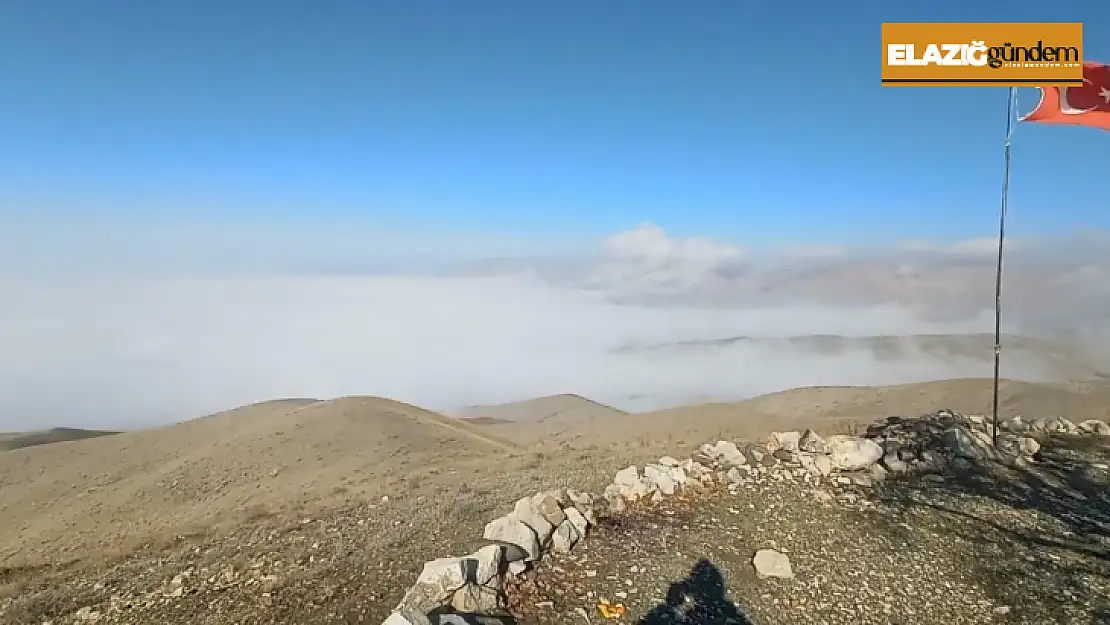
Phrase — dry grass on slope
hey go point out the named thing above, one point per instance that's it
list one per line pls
(116, 493)
(843, 409)
(543, 418)
(540, 409)
(237, 487)
(263, 466)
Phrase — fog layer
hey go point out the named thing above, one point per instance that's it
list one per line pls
(116, 348)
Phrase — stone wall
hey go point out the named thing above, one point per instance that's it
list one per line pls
(549, 521)
(930, 446)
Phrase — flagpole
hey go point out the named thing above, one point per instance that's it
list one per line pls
(1011, 116)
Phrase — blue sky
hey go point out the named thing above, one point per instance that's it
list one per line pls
(567, 120)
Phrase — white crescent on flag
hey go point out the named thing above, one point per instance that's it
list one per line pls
(1087, 105)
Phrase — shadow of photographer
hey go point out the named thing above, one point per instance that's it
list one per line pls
(697, 600)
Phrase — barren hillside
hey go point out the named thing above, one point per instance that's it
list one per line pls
(541, 409)
(555, 416)
(291, 493)
(849, 406)
(67, 499)
(19, 440)
(272, 465)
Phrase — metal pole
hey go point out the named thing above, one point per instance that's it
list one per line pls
(1011, 109)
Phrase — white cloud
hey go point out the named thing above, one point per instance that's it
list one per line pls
(979, 246)
(649, 244)
(646, 259)
(148, 349)
(817, 251)
(113, 347)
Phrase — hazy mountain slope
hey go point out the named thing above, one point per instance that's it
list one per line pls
(1033, 358)
(543, 417)
(800, 408)
(543, 409)
(19, 440)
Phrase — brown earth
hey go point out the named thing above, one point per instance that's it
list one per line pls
(109, 495)
(330, 507)
(557, 407)
(543, 418)
(19, 440)
(991, 544)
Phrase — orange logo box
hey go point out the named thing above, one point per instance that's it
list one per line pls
(928, 54)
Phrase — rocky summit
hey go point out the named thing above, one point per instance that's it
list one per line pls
(938, 518)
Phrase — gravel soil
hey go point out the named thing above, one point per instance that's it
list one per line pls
(994, 545)
(322, 566)
(1020, 545)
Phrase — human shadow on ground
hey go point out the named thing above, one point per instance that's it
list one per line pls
(447, 616)
(697, 600)
(1037, 535)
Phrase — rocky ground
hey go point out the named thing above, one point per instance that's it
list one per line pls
(974, 541)
(327, 566)
(986, 543)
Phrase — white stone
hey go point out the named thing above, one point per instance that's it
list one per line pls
(812, 442)
(1028, 445)
(734, 476)
(487, 563)
(579, 498)
(438, 581)
(660, 476)
(1096, 427)
(963, 442)
(550, 506)
(629, 476)
(578, 521)
(395, 618)
(678, 474)
(786, 440)
(851, 453)
(526, 511)
(564, 537)
(511, 530)
(771, 563)
(475, 599)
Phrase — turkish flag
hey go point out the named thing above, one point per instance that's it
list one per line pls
(1088, 105)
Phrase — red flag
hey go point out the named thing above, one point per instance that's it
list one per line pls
(1088, 105)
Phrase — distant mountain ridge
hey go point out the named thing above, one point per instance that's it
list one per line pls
(563, 407)
(1068, 362)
